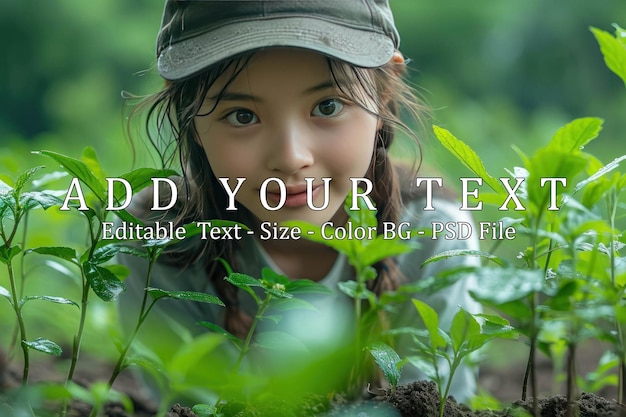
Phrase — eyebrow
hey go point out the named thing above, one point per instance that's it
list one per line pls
(235, 96)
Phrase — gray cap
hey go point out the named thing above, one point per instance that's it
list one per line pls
(196, 34)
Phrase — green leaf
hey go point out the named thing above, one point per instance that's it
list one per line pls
(79, 170)
(5, 188)
(6, 293)
(363, 216)
(219, 330)
(379, 249)
(503, 285)
(463, 252)
(275, 340)
(243, 280)
(600, 172)
(106, 253)
(288, 304)
(45, 346)
(120, 271)
(463, 326)
(517, 309)
(273, 277)
(551, 163)
(493, 319)
(8, 206)
(431, 321)
(57, 300)
(140, 179)
(191, 354)
(47, 179)
(277, 290)
(204, 410)
(433, 284)
(477, 341)
(61, 252)
(352, 290)
(200, 297)
(467, 156)
(90, 158)
(572, 137)
(613, 50)
(425, 365)
(7, 254)
(388, 361)
(103, 282)
(24, 178)
(305, 286)
(42, 199)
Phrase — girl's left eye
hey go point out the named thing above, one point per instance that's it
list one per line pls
(328, 108)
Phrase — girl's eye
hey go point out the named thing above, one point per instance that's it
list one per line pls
(328, 108)
(242, 117)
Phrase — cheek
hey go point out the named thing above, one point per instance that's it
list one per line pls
(225, 158)
(353, 154)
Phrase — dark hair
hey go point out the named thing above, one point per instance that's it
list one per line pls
(172, 111)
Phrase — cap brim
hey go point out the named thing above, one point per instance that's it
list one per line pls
(358, 47)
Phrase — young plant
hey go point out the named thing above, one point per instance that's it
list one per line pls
(613, 50)
(153, 250)
(15, 204)
(465, 336)
(363, 254)
(272, 293)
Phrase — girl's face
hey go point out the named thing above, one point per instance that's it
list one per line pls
(283, 117)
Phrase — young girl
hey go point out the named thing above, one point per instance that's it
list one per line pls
(287, 90)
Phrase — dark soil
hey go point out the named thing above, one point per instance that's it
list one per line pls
(412, 400)
(420, 399)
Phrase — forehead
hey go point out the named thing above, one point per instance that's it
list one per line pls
(275, 68)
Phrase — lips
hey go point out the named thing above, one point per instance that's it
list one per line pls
(295, 196)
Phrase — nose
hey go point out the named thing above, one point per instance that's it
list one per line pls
(290, 150)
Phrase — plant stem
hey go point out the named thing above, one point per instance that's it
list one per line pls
(143, 314)
(612, 200)
(7, 242)
(442, 401)
(79, 333)
(20, 321)
(572, 406)
(245, 348)
(84, 302)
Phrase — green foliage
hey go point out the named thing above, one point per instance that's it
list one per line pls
(465, 336)
(568, 280)
(388, 361)
(613, 49)
(91, 263)
(572, 259)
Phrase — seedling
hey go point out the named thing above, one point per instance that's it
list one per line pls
(465, 336)
(272, 292)
(363, 254)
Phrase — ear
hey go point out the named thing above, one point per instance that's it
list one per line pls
(397, 58)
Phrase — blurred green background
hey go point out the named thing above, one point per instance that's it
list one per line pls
(496, 73)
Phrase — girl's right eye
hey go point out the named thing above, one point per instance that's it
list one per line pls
(241, 117)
